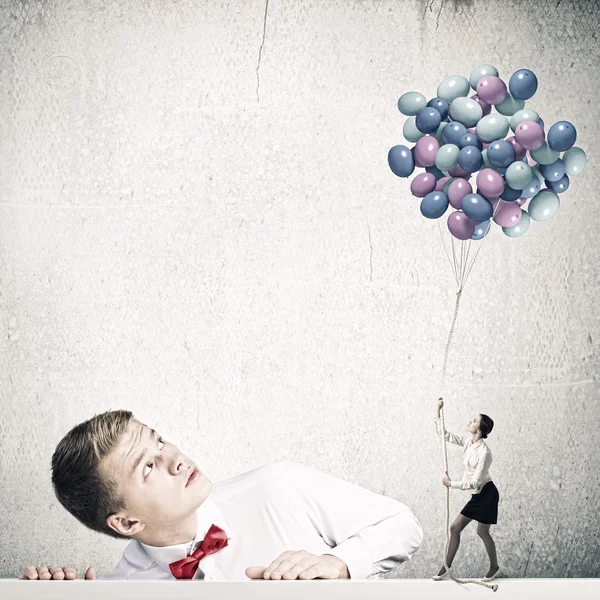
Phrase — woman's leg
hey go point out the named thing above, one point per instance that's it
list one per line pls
(455, 529)
(483, 531)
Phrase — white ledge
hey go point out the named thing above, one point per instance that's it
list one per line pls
(386, 589)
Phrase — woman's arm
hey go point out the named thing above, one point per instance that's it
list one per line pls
(483, 466)
(450, 437)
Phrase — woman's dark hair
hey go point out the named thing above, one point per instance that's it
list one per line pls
(486, 425)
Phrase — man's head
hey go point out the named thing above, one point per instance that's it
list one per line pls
(120, 477)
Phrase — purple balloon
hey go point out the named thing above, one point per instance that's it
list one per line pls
(490, 198)
(530, 135)
(487, 109)
(490, 182)
(460, 226)
(519, 150)
(422, 184)
(491, 89)
(507, 214)
(440, 184)
(530, 160)
(521, 201)
(457, 190)
(425, 150)
(458, 172)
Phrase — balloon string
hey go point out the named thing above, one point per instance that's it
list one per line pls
(446, 251)
(445, 454)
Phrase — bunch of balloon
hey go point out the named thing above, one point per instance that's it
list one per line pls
(457, 137)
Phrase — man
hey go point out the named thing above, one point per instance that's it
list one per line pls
(283, 520)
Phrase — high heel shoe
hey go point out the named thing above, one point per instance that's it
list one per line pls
(486, 579)
(440, 577)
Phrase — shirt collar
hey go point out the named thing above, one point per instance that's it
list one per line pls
(478, 443)
(207, 514)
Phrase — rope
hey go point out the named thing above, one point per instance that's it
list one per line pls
(461, 274)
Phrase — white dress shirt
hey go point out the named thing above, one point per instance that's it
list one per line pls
(477, 459)
(286, 506)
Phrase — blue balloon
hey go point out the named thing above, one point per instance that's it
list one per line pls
(562, 185)
(470, 139)
(470, 159)
(434, 205)
(435, 172)
(401, 161)
(562, 136)
(522, 84)
(452, 133)
(553, 172)
(440, 105)
(509, 194)
(533, 188)
(501, 154)
(428, 119)
(477, 208)
(481, 230)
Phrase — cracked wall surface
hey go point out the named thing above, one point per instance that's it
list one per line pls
(198, 223)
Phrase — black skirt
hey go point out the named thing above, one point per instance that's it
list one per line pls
(483, 507)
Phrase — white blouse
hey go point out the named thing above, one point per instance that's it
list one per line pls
(477, 459)
(287, 506)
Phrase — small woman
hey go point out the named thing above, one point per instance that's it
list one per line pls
(483, 505)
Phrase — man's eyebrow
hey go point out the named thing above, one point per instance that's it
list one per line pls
(138, 460)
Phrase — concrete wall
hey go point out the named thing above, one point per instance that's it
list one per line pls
(198, 223)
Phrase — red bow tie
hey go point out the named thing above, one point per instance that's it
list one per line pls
(185, 568)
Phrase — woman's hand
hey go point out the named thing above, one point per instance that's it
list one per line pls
(440, 404)
(446, 480)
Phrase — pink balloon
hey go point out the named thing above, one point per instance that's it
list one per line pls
(490, 182)
(422, 184)
(530, 160)
(417, 162)
(460, 226)
(425, 150)
(457, 190)
(492, 199)
(519, 150)
(508, 214)
(530, 135)
(487, 109)
(440, 183)
(458, 172)
(521, 201)
(491, 89)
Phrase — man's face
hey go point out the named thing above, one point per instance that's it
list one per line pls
(152, 474)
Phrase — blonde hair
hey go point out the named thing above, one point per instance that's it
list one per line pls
(85, 489)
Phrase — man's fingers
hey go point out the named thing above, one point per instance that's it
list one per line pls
(26, 571)
(274, 567)
(56, 572)
(255, 572)
(70, 572)
(303, 566)
(90, 573)
(43, 573)
(287, 564)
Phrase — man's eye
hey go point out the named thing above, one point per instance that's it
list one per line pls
(160, 441)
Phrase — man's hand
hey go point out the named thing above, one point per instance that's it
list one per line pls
(446, 480)
(301, 565)
(58, 573)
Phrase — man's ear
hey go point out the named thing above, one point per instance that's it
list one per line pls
(123, 525)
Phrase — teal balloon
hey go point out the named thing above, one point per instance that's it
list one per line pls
(481, 71)
(518, 175)
(447, 185)
(438, 134)
(466, 111)
(486, 161)
(411, 103)
(453, 87)
(544, 155)
(509, 106)
(446, 157)
(527, 114)
(410, 131)
(543, 206)
(492, 127)
(520, 228)
(575, 161)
